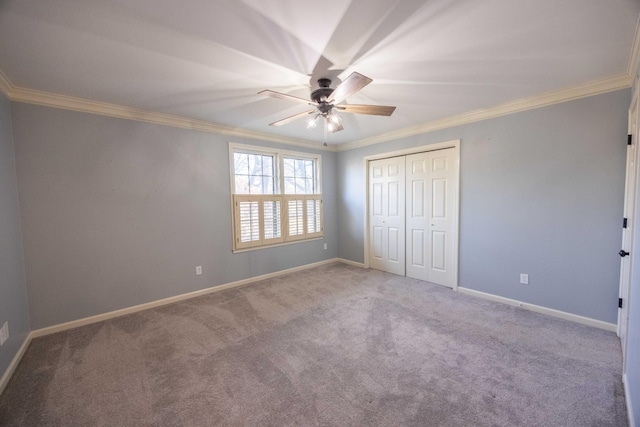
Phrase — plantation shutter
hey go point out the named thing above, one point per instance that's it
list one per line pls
(295, 217)
(258, 220)
(314, 216)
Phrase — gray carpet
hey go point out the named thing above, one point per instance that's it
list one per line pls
(332, 346)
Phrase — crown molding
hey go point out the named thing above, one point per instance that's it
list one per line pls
(5, 85)
(36, 97)
(31, 96)
(634, 57)
(597, 87)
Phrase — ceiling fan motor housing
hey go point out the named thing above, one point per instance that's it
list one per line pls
(321, 94)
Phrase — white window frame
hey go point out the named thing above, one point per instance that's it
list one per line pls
(312, 204)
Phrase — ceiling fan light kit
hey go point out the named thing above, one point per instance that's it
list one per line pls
(326, 102)
(312, 122)
(334, 122)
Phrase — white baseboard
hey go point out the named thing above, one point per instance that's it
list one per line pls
(349, 262)
(14, 363)
(544, 310)
(117, 313)
(627, 397)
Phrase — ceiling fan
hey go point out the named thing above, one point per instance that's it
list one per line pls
(326, 101)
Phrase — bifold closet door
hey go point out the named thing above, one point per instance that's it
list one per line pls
(387, 215)
(412, 211)
(430, 216)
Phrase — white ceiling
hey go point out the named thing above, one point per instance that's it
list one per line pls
(207, 59)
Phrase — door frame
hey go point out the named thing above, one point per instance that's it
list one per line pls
(455, 144)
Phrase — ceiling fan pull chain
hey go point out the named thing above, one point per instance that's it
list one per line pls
(325, 132)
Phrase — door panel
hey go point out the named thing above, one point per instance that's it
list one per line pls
(438, 251)
(377, 199)
(439, 198)
(394, 199)
(417, 229)
(417, 248)
(439, 164)
(417, 199)
(443, 182)
(377, 251)
(387, 214)
(394, 249)
(431, 205)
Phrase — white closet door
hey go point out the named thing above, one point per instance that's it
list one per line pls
(387, 215)
(443, 175)
(431, 204)
(412, 216)
(417, 217)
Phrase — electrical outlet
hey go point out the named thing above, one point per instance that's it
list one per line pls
(4, 333)
(198, 270)
(325, 246)
(524, 278)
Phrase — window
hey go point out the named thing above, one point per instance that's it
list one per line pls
(299, 176)
(276, 196)
(254, 173)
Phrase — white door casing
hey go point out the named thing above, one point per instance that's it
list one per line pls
(387, 215)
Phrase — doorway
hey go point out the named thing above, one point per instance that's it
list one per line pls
(412, 213)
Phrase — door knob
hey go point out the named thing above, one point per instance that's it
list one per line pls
(623, 253)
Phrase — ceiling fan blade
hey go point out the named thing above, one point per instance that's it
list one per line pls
(279, 95)
(291, 118)
(348, 87)
(376, 110)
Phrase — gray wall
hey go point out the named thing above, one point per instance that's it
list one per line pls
(118, 213)
(541, 192)
(13, 291)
